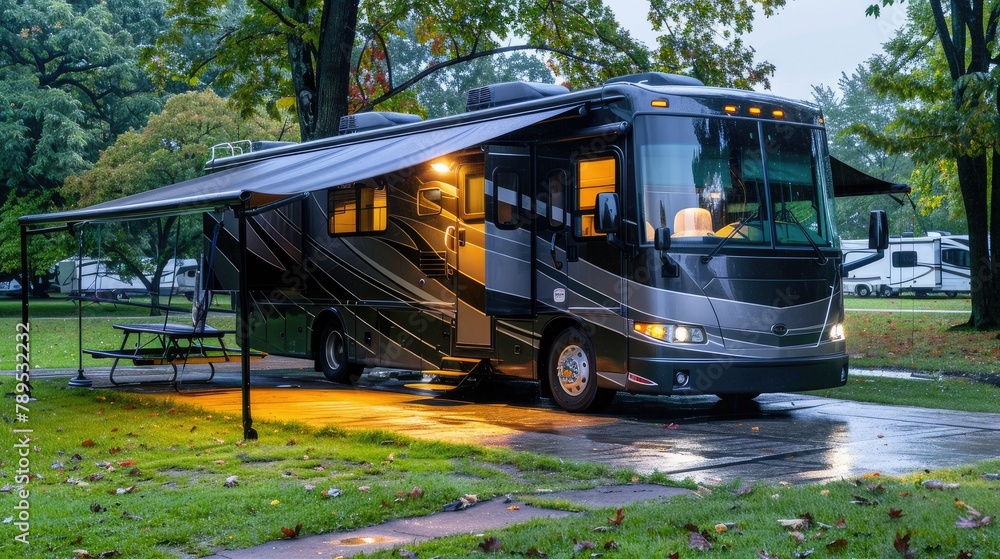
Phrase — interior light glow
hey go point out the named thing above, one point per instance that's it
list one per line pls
(660, 103)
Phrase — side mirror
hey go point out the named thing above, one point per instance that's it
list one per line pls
(878, 230)
(606, 213)
(661, 238)
(432, 195)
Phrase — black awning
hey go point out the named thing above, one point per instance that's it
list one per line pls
(272, 179)
(848, 181)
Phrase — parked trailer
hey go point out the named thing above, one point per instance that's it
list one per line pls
(100, 281)
(921, 265)
(652, 236)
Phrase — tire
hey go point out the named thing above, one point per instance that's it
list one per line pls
(572, 373)
(862, 290)
(332, 357)
(886, 291)
(951, 294)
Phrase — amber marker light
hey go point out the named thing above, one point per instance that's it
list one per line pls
(755, 111)
(660, 103)
(731, 109)
(778, 113)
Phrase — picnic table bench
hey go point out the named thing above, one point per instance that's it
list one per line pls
(171, 344)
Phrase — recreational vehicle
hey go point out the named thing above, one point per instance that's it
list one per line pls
(95, 278)
(921, 265)
(652, 236)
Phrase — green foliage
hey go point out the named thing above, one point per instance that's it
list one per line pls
(264, 55)
(69, 84)
(704, 39)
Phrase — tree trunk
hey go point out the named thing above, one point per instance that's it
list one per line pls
(333, 63)
(972, 178)
(303, 72)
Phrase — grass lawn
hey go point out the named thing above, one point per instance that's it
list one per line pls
(894, 333)
(149, 479)
(144, 478)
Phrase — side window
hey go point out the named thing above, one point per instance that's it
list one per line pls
(473, 194)
(956, 257)
(507, 192)
(595, 176)
(358, 208)
(904, 259)
(555, 186)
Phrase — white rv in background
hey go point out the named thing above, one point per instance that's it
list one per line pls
(937, 263)
(97, 280)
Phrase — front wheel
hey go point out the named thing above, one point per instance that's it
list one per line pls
(333, 357)
(886, 291)
(863, 290)
(572, 372)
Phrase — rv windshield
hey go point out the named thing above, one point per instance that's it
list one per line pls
(753, 182)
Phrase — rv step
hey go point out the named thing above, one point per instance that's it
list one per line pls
(464, 364)
(431, 386)
(448, 373)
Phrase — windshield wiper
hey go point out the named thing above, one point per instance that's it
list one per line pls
(708, 257)
(821, 257)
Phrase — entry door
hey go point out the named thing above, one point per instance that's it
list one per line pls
(595, 284)
(509, 278)
(467, 241)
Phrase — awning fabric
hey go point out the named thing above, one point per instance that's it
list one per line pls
(271, 179)
(848, 181)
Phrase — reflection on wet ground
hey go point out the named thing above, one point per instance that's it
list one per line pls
(781, 437)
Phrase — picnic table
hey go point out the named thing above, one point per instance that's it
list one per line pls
(176, 345)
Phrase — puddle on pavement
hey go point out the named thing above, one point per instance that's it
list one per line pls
(362, 541)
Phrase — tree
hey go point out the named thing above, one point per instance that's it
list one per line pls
(298, 53)
(943, 65)
(172, 147)
(69, 84)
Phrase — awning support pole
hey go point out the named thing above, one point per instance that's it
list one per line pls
(80, 381)
(244, 326)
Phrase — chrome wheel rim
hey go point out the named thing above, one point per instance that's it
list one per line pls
(573, 370)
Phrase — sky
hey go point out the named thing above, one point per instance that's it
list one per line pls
(811, 42)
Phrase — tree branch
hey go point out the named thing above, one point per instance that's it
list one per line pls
(466, 58)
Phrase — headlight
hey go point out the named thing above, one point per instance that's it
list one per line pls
(837, 332)
(672, 333)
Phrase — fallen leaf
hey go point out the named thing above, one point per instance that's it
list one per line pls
(896, 513)
(513, 507)
(902, 543)
(332, 492)
(96, 507)
(841, 524)
(533, 552)
(128, 516)
(579, 546)
(407, 554)
(617, 520)
(82, 554)
(292, 532)
(124, 490)
(127, 464)
(939, 485)
(675, 555)
(491, 544)
(416, 493)
(699, 542)
(745, 488)
(803, 554)
(795, 523)
(965, 555)
(87, 443)
(762, 554)
(799, 536)
(291, 442)
(973, 521)
(231, 481)
(610, 544)
(837, 546)
(364, 489)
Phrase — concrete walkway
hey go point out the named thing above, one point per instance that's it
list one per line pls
(477, 519)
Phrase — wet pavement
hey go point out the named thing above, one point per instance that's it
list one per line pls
(793, 438)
